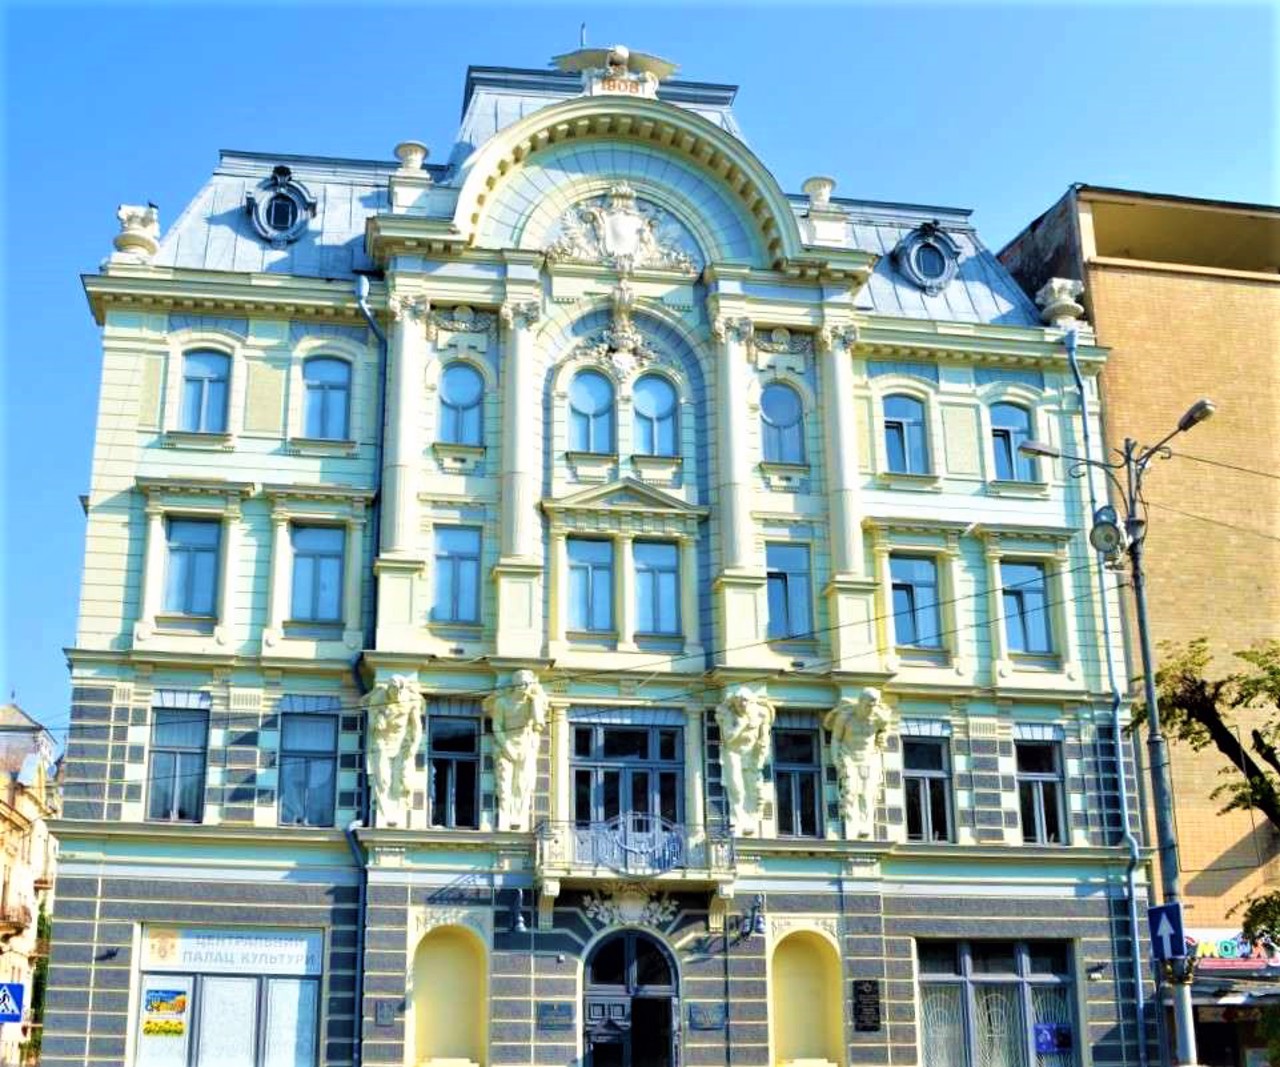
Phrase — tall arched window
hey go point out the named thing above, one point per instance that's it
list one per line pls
(1010, 426)
(461, 392)
(782, 419)
(906, 441)
(654, 404)
(204, 392)
(328, 398)
(590, 413)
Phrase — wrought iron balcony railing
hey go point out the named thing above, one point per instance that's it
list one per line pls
(634, 845)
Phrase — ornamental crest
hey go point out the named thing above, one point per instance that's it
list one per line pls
(621, 904)
(620, 232)
(620, 344)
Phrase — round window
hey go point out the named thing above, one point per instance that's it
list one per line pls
(462, 385)
(781, 406)
(930, 262)
(282, 212)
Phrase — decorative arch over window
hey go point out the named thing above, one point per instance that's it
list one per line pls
(450, 997)
(461, 405)
(782, 424)
(1011, 425)
(806, 1009)
(591, 411)
(206, 377)
(655, 405)
(327, 398)
(906, 434)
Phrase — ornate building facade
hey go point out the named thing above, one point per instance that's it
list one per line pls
(579, 604)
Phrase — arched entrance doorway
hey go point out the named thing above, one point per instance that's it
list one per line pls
(631, 1014)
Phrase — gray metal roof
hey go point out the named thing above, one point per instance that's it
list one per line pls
(215, 232)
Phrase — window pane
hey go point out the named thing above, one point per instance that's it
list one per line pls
(1028, 797)
(179, 727)
(808, 804)
(1052, 1005)
(937, 957)
(579, 593)
(308, 733)
(793, 559)
(458, 736)
(611, 793)
(161, 774)
(581, 551)
(904, 615)
(669, 796)
(328, 605)
(464, 798)
(999, 1031)
(786, 802)
(1052, 819)
(668, 740)
(457, 541)
(582, 796)
(942, 1019)
(646, 601)
(643, 435)
(215, 407)
(468, 593)
(651, 964)
(291, 1023)
(1047, 957)
(641, 795)
(1002, 446)
(591, 397)
(609, 964)
(939, 817)
(782, 411)
(992, 957)
(192, 404)
(799, 621)
(293, 781)
(795, 746)
(228, 1031)
(601, 599)
(668, 603)
(621, 743)
(202, 591)
(1037, 757)
(915, 794)
(582, 739)
(777, 591)
(655, 406)
(444, 605)
(327, 371)
(922, 755)
(895, 443)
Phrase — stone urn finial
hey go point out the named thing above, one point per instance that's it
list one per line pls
(412, 154)
(139, 236)
(1058, 301)
(818, 189)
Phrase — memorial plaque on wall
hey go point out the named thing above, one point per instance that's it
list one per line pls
(555, 1016)
(707, 1017)
(866, 1005)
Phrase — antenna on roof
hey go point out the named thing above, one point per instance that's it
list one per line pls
(582, 36)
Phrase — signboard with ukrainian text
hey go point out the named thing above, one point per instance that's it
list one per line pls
(1227, 950)
(164, 1029)
(244, 951)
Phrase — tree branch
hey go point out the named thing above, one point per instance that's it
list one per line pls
(1261, 790)
(1266, 750)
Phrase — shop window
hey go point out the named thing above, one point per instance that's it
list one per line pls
(996, 1004)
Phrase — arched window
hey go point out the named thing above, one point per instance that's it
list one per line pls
(906, 442)
(328, 398)
(461, 391)
(1010, 426)
(654, 404)
(782, 418)
(204, 392)
(590, 413)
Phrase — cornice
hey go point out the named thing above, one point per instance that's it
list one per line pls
(1025, 346)
(194, 486)
(150, 289)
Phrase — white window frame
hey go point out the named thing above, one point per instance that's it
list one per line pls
(224, 343)
(361, 360)
(886, 385)
(1031, 401)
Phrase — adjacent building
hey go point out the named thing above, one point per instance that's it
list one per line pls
(29, 802)
(577, 603)
(1185, 293)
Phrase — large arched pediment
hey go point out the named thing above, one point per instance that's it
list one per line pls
(554, 153)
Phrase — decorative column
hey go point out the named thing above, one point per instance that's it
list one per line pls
(559, 577)
(518, 573)
(625, 586)
(352, 572)
(689, 587)
(851, 592)
(412, 334)
(561, 782)
(152, 594)
(694, 789)
(278, 589)
(230, 549)
(1001, 665)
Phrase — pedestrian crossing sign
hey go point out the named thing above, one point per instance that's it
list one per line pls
(11, 1002)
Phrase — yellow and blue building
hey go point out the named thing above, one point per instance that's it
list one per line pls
(592, 413)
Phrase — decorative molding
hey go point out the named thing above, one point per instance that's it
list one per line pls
(414, 308)
(618, 231)
(781, 349)
(782, 925)
(424, 919)
(139, 237)
(463, 319)
(831, 338)
(620, 344)
(731, 328)
(520, 314)
(626, 904)
(1058, 301)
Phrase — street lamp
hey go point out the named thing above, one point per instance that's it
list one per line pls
(1111, 538)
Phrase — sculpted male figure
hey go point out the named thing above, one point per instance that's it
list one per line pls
(857, 741)
(745, 717)
(519, 715)
(394, 711)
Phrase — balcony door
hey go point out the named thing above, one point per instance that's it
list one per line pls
(631, 1008)
(628, 784)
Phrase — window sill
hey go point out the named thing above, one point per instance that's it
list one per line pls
(660, 470)
(660, 642)
(597, 639)
(592, 466)
(1047, 663)
(201, 625)
(918, 656)
(458, 459)
(198, 441)
(328, 630)
(919, 483)
(785, 476)
(1029, 490)
(320, 446)
(788, 645)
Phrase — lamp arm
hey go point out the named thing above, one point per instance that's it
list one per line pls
(1080, 467)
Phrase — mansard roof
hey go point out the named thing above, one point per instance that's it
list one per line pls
(216, 233)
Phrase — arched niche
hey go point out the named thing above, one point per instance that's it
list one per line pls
(806, 1002)
(449, 1000)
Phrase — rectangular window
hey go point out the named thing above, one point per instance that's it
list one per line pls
(915, 601)
(926, 781)
(1040, 791)
(632, 771)
(1006, 1003)
(1025, 596)
(790, 606)
(453, 757)
(191, 583)
(317, 573)
(175, 770)
(204, 392)
(590, 585)
(657, 566)
(457, 574)
(797, 772)
(308, 769)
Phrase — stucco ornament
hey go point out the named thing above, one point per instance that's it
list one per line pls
(621, 233)
(621, 904)
(1059, 301)
(519, 715)
(745, 717)
(616, 70)
(857, 745)
(394, 711)
(620, 343)
(139, 236)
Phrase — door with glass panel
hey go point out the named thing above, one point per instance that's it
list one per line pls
(631, 1014)
(627, 803)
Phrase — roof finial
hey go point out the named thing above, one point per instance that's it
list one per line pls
(582, 36)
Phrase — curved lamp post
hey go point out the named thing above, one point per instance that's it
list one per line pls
(1110, 537)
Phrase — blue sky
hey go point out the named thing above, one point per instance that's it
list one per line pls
(997, 108)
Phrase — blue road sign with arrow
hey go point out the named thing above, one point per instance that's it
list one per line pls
(11, 1002)
(1167, 939)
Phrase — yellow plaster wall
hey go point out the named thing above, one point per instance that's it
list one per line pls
(450, 999)
(806, 1008)
(1175, 337)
